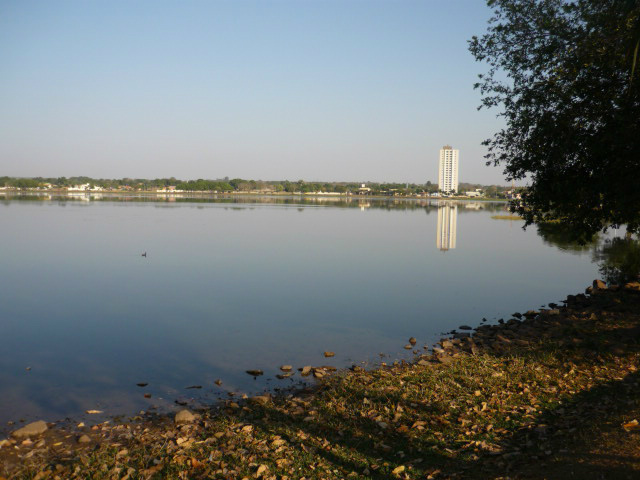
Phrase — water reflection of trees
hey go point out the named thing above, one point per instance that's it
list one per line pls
(559, 236)
(618, 258)
(355, 201)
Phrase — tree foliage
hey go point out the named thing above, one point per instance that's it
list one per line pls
(562, 73)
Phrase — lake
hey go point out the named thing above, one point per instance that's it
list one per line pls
(232, 284)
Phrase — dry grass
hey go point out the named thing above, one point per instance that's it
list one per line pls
(506, 217)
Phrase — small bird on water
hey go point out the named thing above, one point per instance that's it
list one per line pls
(144, 254)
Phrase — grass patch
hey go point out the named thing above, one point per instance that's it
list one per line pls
(506, 217)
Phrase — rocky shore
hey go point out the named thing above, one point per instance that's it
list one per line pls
(550, 393)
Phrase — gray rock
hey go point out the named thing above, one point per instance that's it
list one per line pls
(30, 430)
(632, 286)
(599, 285)
(461, 335)
(446, 343)
(260, 399)
(185, 416)
(465, 327)
(444, 359)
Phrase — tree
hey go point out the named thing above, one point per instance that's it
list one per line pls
(564, 74)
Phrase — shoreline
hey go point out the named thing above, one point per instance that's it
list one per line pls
(203, 194)
(519, 374)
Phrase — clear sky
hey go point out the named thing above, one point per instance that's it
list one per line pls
(360, 90)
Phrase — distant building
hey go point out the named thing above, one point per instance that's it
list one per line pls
(79, 188)
(448, 170)
(363, 190)
(474, 193)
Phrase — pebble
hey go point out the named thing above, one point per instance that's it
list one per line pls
(461, 335)
(84, 439)
(599, 285)
(329, 354)
(260, 399)
(32, 429)
(184, 416)
(286, 368)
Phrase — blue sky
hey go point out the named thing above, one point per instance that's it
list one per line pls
(318, 90)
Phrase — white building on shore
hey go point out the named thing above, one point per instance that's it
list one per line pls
(448, 170)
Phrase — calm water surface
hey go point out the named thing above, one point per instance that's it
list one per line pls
(230, 285)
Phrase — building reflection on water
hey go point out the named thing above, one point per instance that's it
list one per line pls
(447, 225)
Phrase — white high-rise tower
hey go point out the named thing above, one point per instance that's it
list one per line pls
(448, 170)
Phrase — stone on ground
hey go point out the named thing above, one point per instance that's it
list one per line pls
(184, 416)
(32, 429)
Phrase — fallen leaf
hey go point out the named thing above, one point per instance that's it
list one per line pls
(261, 470)
(398, 470)
(633, 425)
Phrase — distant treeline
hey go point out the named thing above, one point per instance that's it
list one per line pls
(241, 185)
